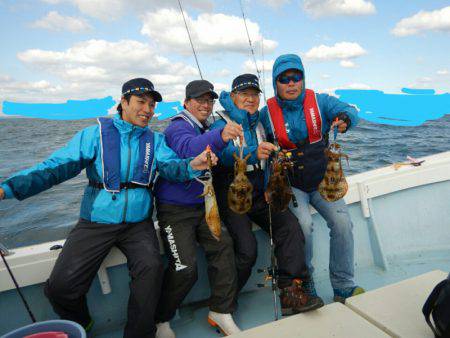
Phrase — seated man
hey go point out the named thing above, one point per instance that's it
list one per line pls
(121, 156)
(302, 120)
(241, 106)
(181, 217)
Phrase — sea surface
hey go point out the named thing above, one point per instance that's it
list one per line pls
(50, 215)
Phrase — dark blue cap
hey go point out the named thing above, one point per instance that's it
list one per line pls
(141, 86)
(245, 81)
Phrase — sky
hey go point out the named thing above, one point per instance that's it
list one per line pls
(58, 50)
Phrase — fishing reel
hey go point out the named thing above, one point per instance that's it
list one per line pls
(269, 276)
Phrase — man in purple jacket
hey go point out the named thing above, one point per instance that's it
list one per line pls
(181, 217)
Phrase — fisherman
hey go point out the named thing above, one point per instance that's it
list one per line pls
(121, 156)
(302, 121)
(241, 106)
(181, 217)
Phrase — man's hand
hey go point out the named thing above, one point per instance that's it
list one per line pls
(201, 162)
(264, 150)
(340, 125)
(231, 131)
(2, 194)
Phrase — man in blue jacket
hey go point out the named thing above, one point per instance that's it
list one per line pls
(241, 106)
(302, 120)
(121, 156)
(181, 217)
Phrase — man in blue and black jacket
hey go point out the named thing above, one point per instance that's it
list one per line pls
(302, 120)
(241, 106)
(121, 156)
(181, 217)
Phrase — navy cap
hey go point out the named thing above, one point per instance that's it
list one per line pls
(245, 81)
(141, 86)
(198, 88)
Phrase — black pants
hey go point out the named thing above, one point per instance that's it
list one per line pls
(181, 228)
(287, 235)
(83, 252)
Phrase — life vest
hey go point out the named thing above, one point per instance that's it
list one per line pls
(308, 156)
(110, 151)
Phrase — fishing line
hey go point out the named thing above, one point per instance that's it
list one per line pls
(3, 253)
(190, 39)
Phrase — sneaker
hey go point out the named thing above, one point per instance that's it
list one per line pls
(223, 322)
(294, 299)
(340, 295)
(163, 330)
(309, 287)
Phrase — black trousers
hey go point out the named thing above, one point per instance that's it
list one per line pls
(83, 252)
(182, 227)
(287, 235)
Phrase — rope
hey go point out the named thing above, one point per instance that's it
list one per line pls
(190, 39)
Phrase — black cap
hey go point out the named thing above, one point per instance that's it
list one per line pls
(197, 88)
(141, 86)
(245, 81)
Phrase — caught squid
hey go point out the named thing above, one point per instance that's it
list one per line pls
(334, 185)
(211, 209)
(240, 190)
(279, 193)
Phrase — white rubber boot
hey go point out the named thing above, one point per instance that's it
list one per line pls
(163, 330)
(224, 322)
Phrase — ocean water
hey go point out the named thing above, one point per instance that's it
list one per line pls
(50, 215)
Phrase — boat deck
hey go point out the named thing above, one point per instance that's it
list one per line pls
(256, 307)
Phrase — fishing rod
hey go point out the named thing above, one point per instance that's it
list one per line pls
(190, 39)
(5, 252)
(273, 267)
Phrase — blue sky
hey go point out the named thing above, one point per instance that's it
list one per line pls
(55, 50)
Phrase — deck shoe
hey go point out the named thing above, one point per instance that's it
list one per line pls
(163, 330)
(294, 299)
(309, 287)
(223, 322)
(340, 295)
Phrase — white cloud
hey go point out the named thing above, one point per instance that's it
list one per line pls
(223, 72)
(56, 22)
(442, 72)
(359, 86)
(325, 76)
(113, 9)
(276, 3)
(211, 33)
(321, 8)
(438, 20)
(340, 51)
(249, 66)
(347, 64)
(96, 68)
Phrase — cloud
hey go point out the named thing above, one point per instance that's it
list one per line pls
(276, 3)
(442, 72)
(322, 8)
(340, 51)
(56, 22)
(97, 68)
(223, 72)
(325, 76)
(108, 10)
(438, 20)
(249, 66)
(347, 64)
(211, 33)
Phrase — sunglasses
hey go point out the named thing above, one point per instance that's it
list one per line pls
(286, 79)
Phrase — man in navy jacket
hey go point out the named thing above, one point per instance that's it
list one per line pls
(181, 217)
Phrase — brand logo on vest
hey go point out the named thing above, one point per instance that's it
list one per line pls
(173, 249)
(314, 120)
(147, 157)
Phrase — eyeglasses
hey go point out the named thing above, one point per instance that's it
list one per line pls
(247, 95)
(294, 78)
(209, 102)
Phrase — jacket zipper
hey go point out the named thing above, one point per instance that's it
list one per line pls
(127, 176)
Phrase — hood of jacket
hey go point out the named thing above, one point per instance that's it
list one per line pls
(283, 63)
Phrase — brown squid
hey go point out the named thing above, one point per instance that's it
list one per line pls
(240, 190)
(279, 193)
(334, 186)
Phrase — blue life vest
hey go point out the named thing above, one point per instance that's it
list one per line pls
(110, 152)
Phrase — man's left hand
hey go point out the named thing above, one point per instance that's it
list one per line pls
(340, 125)
(201, 162)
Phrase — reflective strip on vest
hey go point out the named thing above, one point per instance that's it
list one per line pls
(110, 152)
(312, 116)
